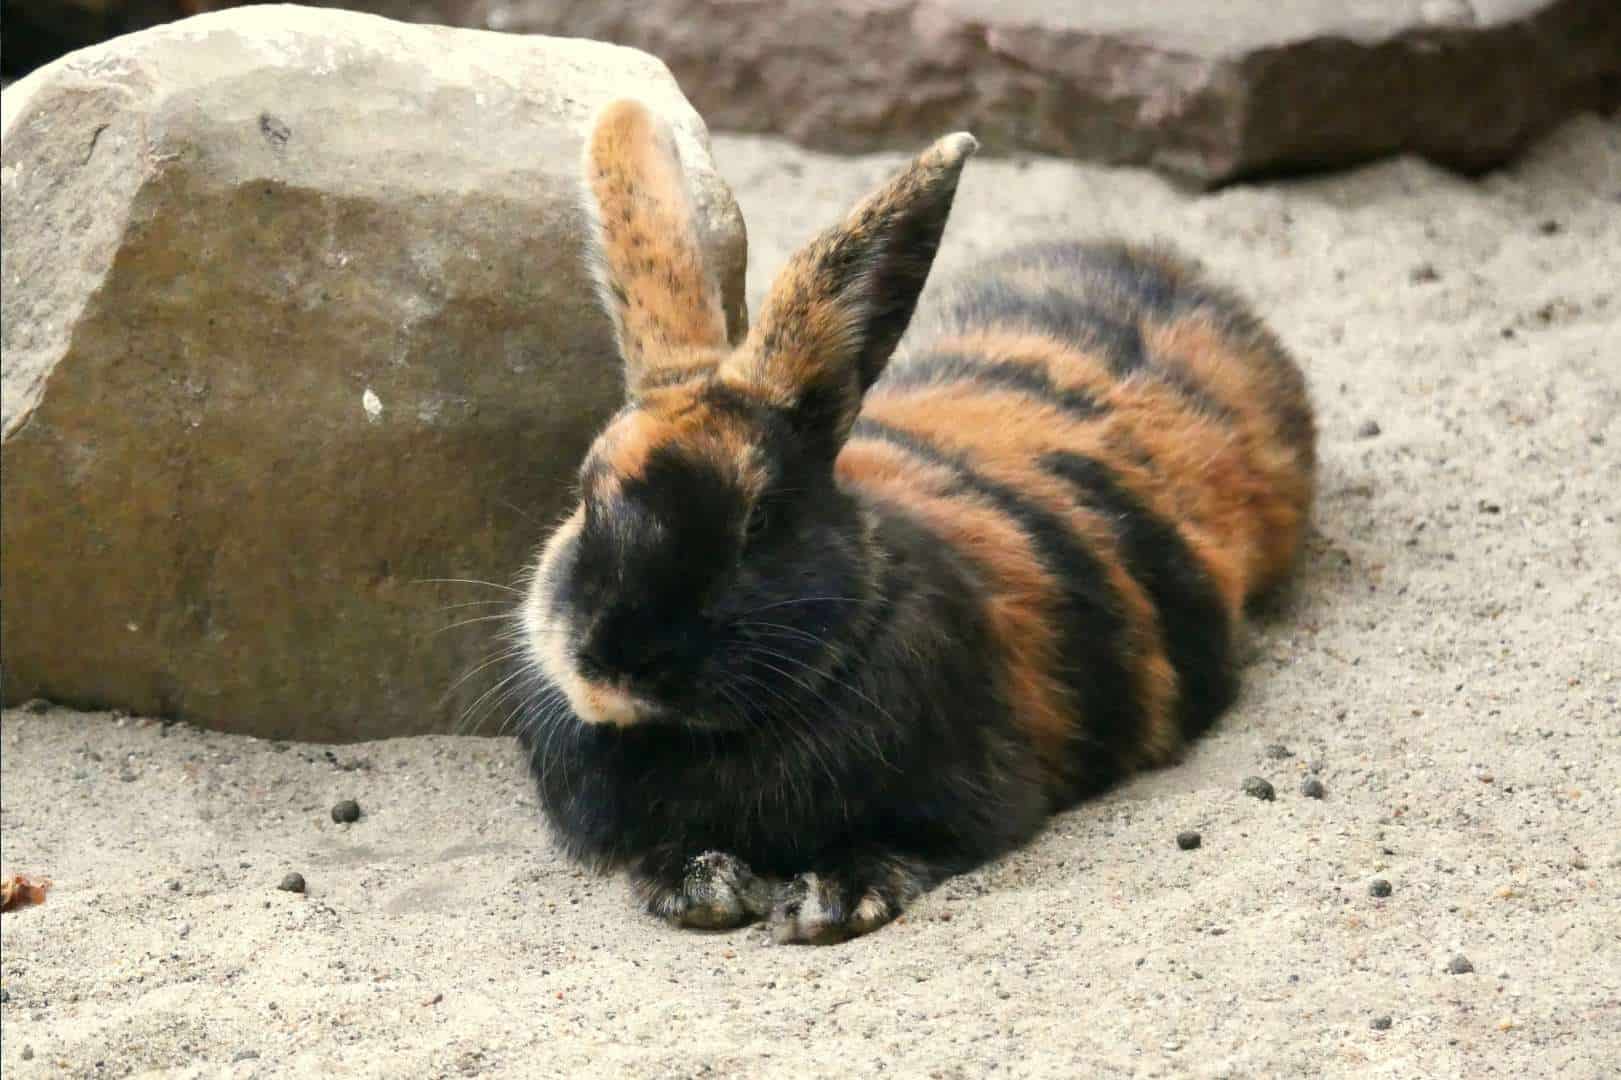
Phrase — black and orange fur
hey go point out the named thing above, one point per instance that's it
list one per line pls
(839, 616)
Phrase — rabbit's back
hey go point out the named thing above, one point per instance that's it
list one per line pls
(1125, 456)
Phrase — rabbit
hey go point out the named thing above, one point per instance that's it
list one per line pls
(838, 617)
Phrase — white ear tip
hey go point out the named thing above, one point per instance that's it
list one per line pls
(957, 147)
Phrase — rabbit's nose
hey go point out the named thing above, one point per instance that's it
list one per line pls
(609, 659)
(617, 649)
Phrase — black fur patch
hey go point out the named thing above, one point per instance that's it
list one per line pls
(1193, 621)
(1067, 317)
(645, 567)
(905, 746)
(1091, 631)
(945, 368)
(1061, 315)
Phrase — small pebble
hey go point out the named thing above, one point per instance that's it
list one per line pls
(1369, 429)
(1277, 751)
(5, 995)
(1379, 887)
(1459, 965)
(246, 1055)
(36, 705)
(1550, 228)
(1380, 1023)
(185, 930)
(28, 1053)
(1257, 788)
(1187, 841)
(1313, 788)
(346, 812)
(292, 883)
(1423, 274)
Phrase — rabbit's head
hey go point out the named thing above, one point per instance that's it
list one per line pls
(713, 568)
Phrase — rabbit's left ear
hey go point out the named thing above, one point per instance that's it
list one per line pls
(839, 308)
(646, 258)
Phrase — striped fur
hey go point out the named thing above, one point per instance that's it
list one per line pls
(841, 614)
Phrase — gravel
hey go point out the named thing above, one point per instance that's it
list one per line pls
(1258, 788)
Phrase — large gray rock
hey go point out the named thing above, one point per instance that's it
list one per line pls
(1211, 92)
(294, 318)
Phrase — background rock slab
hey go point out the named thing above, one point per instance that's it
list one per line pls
(1209, 92)
(294, 319)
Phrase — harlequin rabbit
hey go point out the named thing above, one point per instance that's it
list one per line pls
(840, 615)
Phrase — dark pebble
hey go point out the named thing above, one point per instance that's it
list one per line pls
(1369, 429)
(36, 705)
(292, 883)
(1187, 841)
(346, 812)
(5, 995)
(1313, 788)
(1550, 228)
(1459, 965)
(1277, 751)
(1257, 788)
(1379, 887)
(1380, 1023)
(1423, 274)
(245, 1055)
(28, 1053)
(1486, 507)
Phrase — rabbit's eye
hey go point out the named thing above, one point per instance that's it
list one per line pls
(759, 519)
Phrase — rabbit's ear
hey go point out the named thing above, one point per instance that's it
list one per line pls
(838, 309)
(645, 254)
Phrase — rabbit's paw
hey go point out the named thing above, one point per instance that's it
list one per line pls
(830, 907)
(715, 891)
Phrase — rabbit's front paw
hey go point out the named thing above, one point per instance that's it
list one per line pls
(716, 891)
(829, 907)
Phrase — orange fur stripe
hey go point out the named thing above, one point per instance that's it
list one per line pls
(1021, 596)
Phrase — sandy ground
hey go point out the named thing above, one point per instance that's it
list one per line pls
(1449, 667)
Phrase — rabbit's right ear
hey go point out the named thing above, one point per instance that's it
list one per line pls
(645, 255)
